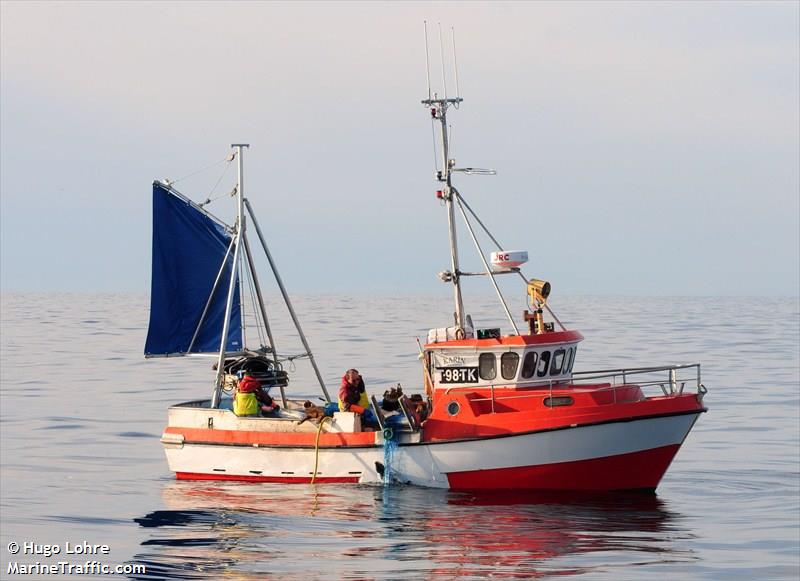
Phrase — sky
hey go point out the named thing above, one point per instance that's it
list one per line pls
(641, 148)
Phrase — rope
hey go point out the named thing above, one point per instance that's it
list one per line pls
(316, 449)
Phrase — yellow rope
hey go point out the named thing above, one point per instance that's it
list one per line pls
(316, 448)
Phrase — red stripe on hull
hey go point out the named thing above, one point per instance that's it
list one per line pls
(290, 439)
(634, 471)
(278, 479)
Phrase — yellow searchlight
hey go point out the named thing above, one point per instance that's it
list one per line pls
(538, 291)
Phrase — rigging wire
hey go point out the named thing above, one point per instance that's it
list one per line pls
(209, 199)
(256, 313)
(483, 259)
(435, 155)
(213, 165)
(463, 202)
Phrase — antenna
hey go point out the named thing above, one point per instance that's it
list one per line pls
(441, 51)
(455, 62)
(427, 59)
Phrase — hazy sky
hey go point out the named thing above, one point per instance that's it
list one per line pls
(641, 148)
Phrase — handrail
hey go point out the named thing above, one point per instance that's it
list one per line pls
(676, 384)
(638, 369)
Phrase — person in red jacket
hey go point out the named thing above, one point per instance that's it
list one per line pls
(353, 397)
(353, 393)
(249, 384)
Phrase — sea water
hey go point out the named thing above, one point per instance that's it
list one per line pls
(81, 414)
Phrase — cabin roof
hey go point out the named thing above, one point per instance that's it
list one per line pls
(511, 341)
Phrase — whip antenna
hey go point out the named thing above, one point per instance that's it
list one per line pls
(427, 59)
(455, 62)
(441, 51)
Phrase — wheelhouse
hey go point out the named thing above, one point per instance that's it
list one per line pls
(512, 361)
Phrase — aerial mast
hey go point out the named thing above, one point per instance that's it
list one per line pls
(438, 109)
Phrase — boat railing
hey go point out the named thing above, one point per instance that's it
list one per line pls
(674, 384)
(643, 377)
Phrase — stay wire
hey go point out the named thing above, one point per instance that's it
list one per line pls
(209, 199)
(435, 156)
(461, 200)
(256, 313)
(213, 165)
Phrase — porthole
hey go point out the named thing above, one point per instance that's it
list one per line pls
(487, 366)
(558, 362)
(453, 408)
(544, 364)
(529, 364)
(557, 401)
(508, 365)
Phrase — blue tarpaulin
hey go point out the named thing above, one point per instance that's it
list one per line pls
(189, 247)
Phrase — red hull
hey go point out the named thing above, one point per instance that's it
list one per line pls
(635, 471)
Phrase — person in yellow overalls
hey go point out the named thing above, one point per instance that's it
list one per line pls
(250, 400)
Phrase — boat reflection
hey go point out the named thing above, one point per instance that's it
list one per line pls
(253, 531)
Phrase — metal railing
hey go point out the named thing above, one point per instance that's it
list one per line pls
(673, 385)
(669, 387)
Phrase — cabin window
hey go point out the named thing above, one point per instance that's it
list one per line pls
(453, 408)
(558, 362)
(529, 364)
(569, 359)
(508, 365)
(544, 364)
(557, 401)
(487, 363)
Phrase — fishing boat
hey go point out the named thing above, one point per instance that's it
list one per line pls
(495, 410)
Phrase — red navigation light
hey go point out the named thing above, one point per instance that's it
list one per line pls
(439, 194)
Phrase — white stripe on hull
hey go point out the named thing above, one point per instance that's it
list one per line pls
(428, 464)
(568, 445)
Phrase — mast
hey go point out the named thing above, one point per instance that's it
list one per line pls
(439, 112)
(234, 271)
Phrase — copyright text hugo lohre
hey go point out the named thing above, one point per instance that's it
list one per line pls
(48, 550)
(71, 549)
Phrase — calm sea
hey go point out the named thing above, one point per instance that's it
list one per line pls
(82, 413)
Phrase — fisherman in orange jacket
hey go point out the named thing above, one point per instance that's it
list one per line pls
(352, 393)
(353, 397)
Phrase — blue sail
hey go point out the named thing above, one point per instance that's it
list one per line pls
(189, 248)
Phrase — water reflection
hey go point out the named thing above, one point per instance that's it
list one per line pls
(253, 531)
